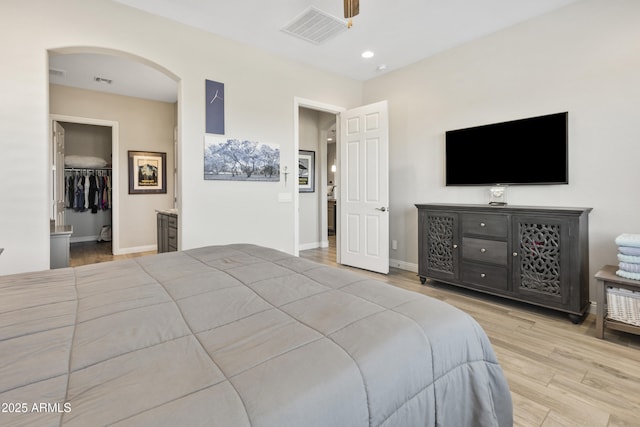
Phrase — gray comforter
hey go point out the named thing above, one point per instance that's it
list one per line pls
(238, 335)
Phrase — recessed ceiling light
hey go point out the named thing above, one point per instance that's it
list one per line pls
(367, 54)
(381, 67)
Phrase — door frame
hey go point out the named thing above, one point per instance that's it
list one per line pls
(115, 217)
(322, 162)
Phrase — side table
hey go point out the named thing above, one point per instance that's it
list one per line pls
(607, 278)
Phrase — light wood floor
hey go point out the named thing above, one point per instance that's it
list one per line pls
(94, 252)
(558, 372)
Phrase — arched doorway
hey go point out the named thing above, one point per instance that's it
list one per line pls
(137, 99)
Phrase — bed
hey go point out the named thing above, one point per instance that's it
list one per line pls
(238, 335)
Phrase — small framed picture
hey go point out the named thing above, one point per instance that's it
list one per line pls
(147, 172)
(306, 171)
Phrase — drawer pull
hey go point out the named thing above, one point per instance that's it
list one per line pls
(483, 250)
(515, 254)
(455, 246)
(483, 275)
(482, 224)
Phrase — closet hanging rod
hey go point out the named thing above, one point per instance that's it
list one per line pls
(87, 169)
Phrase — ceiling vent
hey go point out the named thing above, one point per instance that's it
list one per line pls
(315, 26)
(102, 80)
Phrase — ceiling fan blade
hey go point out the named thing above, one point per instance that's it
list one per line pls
(351, 8)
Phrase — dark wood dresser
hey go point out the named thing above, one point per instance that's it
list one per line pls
(538, 255)
(167, 230)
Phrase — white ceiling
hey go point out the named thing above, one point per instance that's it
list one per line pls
(399, 32)
(127, 76)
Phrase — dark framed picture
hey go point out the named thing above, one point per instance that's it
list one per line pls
(147, 172)
(306, 171)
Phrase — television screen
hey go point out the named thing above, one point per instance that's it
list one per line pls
(526, 151)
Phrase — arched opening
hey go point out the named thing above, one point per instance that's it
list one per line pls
(113, 103)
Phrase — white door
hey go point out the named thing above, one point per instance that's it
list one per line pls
(364, 187)
(57, 169)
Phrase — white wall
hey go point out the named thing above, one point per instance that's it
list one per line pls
(260, 89)
(331, 160)
(86, 140)
(583, 59)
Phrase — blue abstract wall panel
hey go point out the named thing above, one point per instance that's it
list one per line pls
(214, 107)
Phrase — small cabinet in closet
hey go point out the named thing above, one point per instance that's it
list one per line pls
(59, 245)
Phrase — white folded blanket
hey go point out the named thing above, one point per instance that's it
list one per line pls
(628, 275)
(629, 267)
(628, 240)
(74, 161)
(629, 250)
(629, 258)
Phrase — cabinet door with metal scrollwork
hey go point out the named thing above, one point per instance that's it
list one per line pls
(439, 243)
(541, 259)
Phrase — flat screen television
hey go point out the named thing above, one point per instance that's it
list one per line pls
(520, 152)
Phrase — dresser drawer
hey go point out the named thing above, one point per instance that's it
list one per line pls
(172, 245)
(172, 221)
(489, 225)
(490, 251)
(487, 276)
(172, 233)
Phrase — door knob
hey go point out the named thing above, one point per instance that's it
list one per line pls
(383, 209)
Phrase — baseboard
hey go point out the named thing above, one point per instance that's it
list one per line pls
(83, 239)
(403, 265)
(135, 250)
(314, 245)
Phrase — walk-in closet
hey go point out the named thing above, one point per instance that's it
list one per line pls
(88, 189)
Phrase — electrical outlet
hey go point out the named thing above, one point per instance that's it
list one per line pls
(394, 245)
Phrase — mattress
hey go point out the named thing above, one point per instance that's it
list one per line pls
(238, 335)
